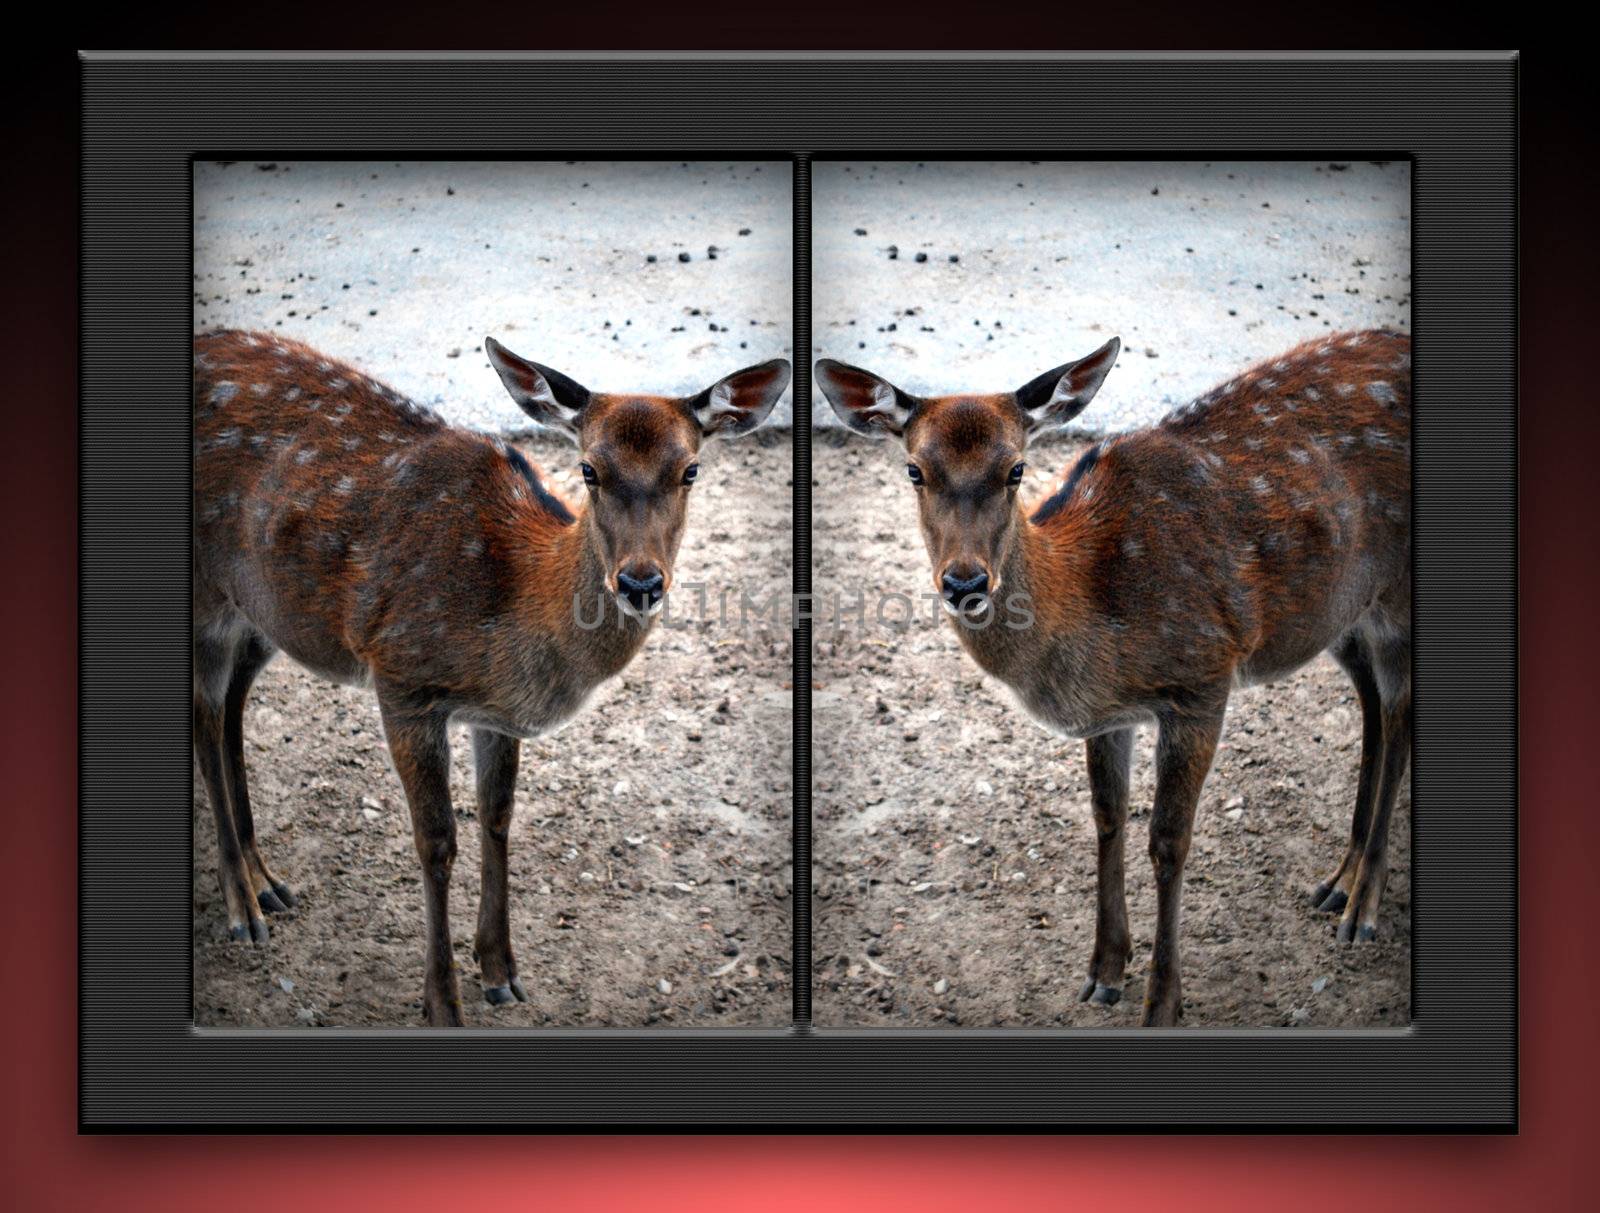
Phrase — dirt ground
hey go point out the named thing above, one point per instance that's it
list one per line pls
(955, 849)
(650, 853)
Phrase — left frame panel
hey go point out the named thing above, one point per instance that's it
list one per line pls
(639, 1017)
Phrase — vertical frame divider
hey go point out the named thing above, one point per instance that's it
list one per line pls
(801, 635)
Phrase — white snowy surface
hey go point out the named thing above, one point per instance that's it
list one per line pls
(403, 269)
(1201, 268)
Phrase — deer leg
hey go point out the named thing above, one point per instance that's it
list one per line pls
(214, 650)
(1109, 757)
(496, 757)
(270, 892)
(244, 922)
(1360, 921)
(1184, 750)
(420, 748)
(1353, 653)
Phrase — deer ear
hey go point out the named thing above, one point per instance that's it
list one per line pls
(863, 401)
(738, 403)
(1057, 396)
(547, 396)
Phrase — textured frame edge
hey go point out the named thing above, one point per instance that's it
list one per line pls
(983, 1076)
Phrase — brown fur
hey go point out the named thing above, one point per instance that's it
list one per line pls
(1229, 544)
(343, 524)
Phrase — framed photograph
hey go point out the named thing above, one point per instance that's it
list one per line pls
(976, 590)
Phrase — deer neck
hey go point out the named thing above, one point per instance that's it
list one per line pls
(565, 595)
(1040, 601)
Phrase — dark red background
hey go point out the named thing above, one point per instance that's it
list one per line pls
(47, 1166)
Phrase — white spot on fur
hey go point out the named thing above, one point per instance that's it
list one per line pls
(224, 392)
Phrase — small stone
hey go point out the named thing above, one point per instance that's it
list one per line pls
(941, 986)
(633, 840)
(1234, 814)
(664, 986)
(370, 803)
(683, 256)
(1015, 876)
(1236, 802)
(371, 814)
(586, 877)
(1319, 985)
(622, 788)
(306, 1015)
(286, 985)
(985, 788)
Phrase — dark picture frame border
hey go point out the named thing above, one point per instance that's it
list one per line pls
(146, 117)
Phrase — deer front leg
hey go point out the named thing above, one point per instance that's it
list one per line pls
(421, 752)
(1184, 750)
(1109, 756)
(496, 757)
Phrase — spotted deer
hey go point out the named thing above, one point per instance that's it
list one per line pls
(1227, 545)
(340, 523)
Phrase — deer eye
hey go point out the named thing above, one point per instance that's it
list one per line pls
(690, 472)
(1016, 474)
(588, 473)
(914, 472)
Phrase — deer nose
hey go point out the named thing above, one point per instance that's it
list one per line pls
(959, 590)
(642, 588)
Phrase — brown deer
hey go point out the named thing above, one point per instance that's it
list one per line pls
(1227, 545)
(346, 526)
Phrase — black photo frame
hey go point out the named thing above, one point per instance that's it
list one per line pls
(146, 117)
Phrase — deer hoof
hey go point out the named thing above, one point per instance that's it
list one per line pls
(1104, 995)
(256, 932)
(1332, 901)
(277, 899)
(1350, 932)
(499, 996)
